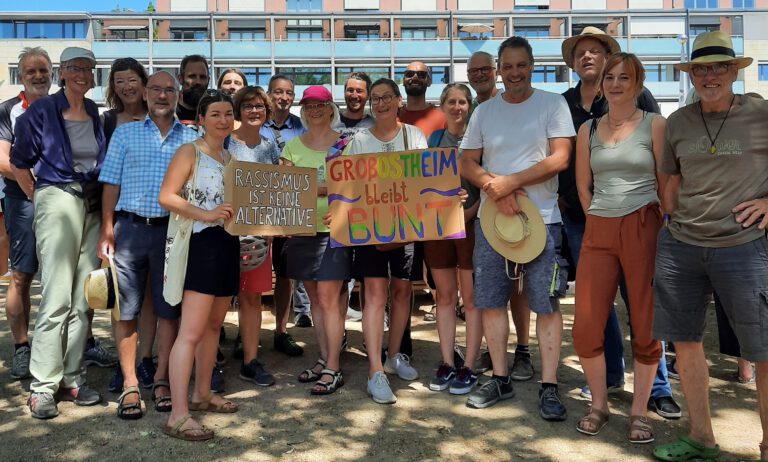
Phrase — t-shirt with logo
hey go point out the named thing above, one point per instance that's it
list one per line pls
(10, 110)
(714, 183)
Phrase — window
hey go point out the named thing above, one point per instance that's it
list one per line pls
(362, 32)
(661, 73)
(531, 7)
(762, 72)
(247, 34)
(743, 3)
(697, 29)
(418, 32)
(701, 4)
(189, 34)
(374, 73)
(305, 29)
(42, 29)
(129, 34)
(549, 74)
(305, 5)
(532, 31)
(307, 75)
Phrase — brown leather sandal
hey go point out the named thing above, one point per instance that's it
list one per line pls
(592, 422)
(227, 407)
(201, 433)
(640, 424)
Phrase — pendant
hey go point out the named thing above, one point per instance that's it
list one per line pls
(713, 149)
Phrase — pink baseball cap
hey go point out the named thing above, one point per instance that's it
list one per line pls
(316, 93)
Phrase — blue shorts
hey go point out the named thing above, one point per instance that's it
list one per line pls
(545, 278)
(139, 254)
(19, 215)
(687, 274)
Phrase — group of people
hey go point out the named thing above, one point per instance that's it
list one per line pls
(668, 210)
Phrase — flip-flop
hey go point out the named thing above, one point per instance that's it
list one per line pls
(685, 449)
(640, 424)
(596, 418)
(123, 407)
(188, 434)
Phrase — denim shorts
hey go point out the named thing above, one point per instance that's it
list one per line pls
(545, 278)
(140, 255)
(687, 274)
(19, 215)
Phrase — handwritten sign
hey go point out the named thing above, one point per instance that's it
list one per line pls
(395, 197)
(271, 200)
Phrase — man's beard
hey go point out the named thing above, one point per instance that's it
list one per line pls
(415, 90)
(191, 96)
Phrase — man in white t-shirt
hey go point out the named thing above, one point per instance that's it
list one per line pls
(517, 142)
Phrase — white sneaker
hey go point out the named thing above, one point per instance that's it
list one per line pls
(378, 388)
(401, 365)
(353, 314)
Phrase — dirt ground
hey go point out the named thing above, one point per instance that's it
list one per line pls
(284, 422)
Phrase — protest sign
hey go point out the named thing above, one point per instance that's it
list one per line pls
(271, 200)
(395, 197)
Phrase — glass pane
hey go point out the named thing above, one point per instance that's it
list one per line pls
(6, 29)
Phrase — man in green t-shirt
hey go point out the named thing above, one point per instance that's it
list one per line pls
(716, 152)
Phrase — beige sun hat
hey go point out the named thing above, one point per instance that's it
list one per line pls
(589, 32)
(713, 47)
(101, 290)
(519, 238)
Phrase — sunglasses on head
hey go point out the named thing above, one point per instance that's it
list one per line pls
(421, 74)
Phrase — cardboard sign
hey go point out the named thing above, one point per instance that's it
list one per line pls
(271, 200)
(395, 197)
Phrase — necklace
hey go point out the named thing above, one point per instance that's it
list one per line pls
(622, 122)
(712, 141)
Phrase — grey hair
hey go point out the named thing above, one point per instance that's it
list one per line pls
(484, 54)
(31, 52)
(334, 120)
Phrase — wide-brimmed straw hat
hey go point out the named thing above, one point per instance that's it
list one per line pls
(101, 290)
(589, 32)
(713, 47)
(519, 238)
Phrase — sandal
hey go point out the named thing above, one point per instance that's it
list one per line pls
(592, 422)
(201, 433)
(685, 449)
(227, 407)
(162, 403)
(310, 375)
(323, 387)
(125, 410)
(640, 424)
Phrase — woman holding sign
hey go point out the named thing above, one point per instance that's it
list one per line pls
(387, 269)
(444, 256)
(310, 258)
(252, 108)
(212, 274)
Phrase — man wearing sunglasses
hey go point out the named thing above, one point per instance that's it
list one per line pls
(417, 111)
(716, 153)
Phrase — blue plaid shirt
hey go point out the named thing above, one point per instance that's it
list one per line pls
(137, 159)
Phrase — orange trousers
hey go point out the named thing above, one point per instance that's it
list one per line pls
(613, 246)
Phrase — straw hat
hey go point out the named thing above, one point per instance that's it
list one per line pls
(101, 290)
(519, 238)
(589, 32)
(713, 47)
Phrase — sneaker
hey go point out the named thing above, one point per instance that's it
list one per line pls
(464, 382)
(492, 391)
(378, 388)
(401, 365)
(97, 355)
(431, 316)
(458, 357)
(146, 373)
(354, 315)
(522, 368)
(483, 362)
(672, 370)
(20, 364)
(666, 406)
(612, 390)
(42, 405)
(550, 406)
(443, 378)
(284, 343)
(116, 382)
(217, 380)
(220, 358)
(81, 396)
(302, 320)
(254, 372)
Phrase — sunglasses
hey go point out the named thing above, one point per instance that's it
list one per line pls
(420, 74)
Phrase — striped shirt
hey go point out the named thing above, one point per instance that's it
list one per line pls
(137, 159)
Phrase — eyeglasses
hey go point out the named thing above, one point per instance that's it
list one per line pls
(475, 71)
(315, 106)
(78, 69)
(716, 68)
(253, 107)
(158, 90)
(420, 74)
(386, 99)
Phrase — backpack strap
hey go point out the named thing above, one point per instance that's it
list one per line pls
(337, 148)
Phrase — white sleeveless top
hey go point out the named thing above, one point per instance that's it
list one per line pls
(209, 186)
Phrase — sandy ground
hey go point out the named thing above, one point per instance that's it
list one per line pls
(284, 422)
